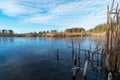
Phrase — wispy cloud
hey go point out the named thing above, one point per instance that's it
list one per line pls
(10, 8)
(61, 13)
(39, 18)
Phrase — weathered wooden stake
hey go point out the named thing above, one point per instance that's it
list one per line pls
(73, 50)
(58, 55)
(73, 74)
(97, 56)
(85, 68)
(109, 76)
(79, 55)
(88, 55)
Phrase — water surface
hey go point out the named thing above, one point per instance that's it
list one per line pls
(36, 58)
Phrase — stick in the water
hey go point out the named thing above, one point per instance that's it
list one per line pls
(85, 68)
(109, 76)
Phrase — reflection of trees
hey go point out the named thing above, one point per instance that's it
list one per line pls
(6, 39)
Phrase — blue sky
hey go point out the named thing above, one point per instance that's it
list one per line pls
(38, 15)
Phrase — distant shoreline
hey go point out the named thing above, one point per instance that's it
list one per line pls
(61, 34)
(70, 32)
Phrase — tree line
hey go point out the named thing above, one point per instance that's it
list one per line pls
(54, 33)
(102, 27)
(75, 30)
(5, 32)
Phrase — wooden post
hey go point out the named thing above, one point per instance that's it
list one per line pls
(115, 49)
(79, 55)
(107, 51)
(118, 63)
(107, 32)
(88, 55)
(92, 60)
(107, 62)
(112, 5)
(90, 48)
(97, 56)
(90, 52)
(107, 42)
(119, 49)
(58, 55)
(85, 55)
(73, 74)
(92, 56)
(75, 59)
(111, 51)
(72, 49)
(101, 58)
(85, 68)
(109, 76)
(74, 71)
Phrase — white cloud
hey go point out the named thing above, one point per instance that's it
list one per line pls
(66, 8)
(10, 7)
(39, 18)
(82, 13)
(21, 7)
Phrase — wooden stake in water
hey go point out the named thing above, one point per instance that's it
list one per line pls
(109, 76)
(97, 56)
(85, 68)
(72, 49)
(79, 55)
(73, 74)
(88, 55)
(85, 55)
(101, 57)
(75, 59)
(92, 60)
(58, 55)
